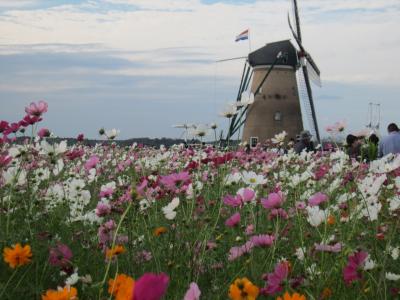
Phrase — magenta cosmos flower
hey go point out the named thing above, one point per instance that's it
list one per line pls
(233, 220)
(36, 109)
(351, 271)
(3, 126)
(150, 287)
(60, 256)
(43, 132)
(276, 278)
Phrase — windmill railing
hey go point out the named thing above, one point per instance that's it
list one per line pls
(237, 123)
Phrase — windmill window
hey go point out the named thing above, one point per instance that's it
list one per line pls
(253, 141)
(278, 97)
(278, 116)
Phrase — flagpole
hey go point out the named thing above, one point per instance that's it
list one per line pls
(249, 41)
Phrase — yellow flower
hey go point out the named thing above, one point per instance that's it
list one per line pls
(122, 287)
(110, 253)
(243, 289)
(295, 296)
(159, 230)
(17, 255)
(67, 293)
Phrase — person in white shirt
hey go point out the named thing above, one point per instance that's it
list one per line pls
(390, 143)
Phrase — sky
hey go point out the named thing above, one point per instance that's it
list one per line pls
(143, 65)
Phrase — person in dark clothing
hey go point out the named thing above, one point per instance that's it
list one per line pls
(353, 146)
(304, 142)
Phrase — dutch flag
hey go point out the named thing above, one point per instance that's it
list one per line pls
(243, 36)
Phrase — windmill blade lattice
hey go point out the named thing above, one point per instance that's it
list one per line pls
(305, 102)
(315, 78)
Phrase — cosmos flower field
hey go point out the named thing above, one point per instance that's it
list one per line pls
(107, 222)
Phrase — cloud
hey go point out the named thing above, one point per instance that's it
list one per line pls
(152, 55)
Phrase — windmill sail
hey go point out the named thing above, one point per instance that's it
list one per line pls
(305, 102)
(308, 71)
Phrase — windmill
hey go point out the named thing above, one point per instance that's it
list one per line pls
(280, 75)
(186, 128)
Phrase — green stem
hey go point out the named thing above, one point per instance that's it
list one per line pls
(112, 246)
(8, 282)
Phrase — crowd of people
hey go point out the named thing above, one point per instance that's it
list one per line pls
(360, 147)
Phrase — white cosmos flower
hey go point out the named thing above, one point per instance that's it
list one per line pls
(394, 252)
(54, 149)
(200, 130)
(392, 276)
(316, 215)
(279, 138)
(397, 182)
(112, 133)
(369, 263)
(73, 279)
(252, 179)
(246, 99)
(233, 178)
(169, 210)
(300, 253)
(386, 164)
(394, 203)
(229, 111)
(144, 204)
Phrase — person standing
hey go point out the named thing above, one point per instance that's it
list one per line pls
(391, 143)
(304, 142)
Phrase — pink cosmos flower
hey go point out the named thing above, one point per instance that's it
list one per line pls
(150, 287)
(262, 240)
(249, 229)
(43, 132)
(276, 278)
(300, 205)
(36, 109)
(274, 200)
(144, 256)
(278, 212)
(246, 194)
(317, 199)
(140, 188)
(171, 181)
(74, 153)
(91, 162)
(321, 172)
(237, 251)
(106, 192)
(60, 256)
(193, 293)
(102, 209)
(329, 248)
(233, 220)
(351, 272)
(106, 232)
(5, 160)
(233, 201)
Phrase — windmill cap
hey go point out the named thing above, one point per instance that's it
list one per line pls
(305, 134)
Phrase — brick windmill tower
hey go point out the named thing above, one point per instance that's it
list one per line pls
(279, 76)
